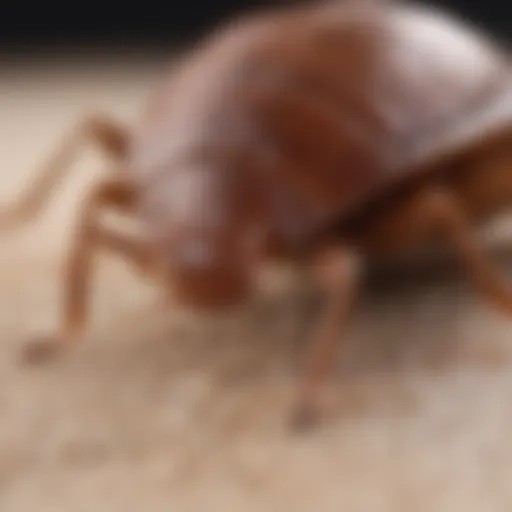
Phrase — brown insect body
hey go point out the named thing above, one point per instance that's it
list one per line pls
(281, 136)
(322, 110)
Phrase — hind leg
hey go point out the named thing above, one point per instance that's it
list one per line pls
(90, 238)
(438, 211)
(107, 135)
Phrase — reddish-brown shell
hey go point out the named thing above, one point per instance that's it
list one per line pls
(331, 104)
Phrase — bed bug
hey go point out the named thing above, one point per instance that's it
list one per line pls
(322, 135)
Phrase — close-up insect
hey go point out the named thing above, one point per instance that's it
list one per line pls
(323, 135)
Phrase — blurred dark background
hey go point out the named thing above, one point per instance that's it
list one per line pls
(93, 22)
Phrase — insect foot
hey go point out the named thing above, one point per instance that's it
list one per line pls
(305, 417)
(41, 350)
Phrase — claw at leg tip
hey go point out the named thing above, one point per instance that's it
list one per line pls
(304, 418)
(40, 351)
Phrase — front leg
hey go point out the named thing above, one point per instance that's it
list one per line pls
(338, 273)
(109, 136)
(89, 238)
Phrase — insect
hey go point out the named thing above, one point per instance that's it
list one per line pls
(323, 135)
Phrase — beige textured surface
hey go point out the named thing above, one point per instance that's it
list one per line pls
(140, 417)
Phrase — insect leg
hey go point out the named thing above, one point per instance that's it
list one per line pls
(338, 272)
(107, 135)
(439, 209)
(89, 238)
